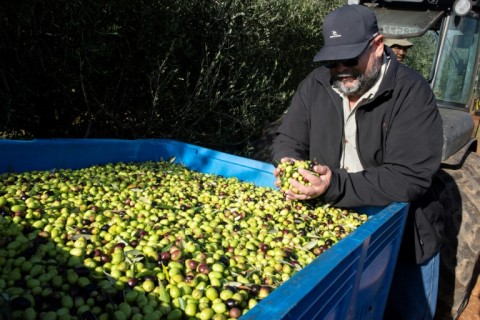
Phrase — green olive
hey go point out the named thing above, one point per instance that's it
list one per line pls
(156, 238)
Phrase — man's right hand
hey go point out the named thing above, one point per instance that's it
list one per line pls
(318, 184)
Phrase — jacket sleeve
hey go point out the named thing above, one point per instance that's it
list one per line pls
(292, 138)
(413, 141)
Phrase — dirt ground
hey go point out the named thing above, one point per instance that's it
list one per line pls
(472, 311)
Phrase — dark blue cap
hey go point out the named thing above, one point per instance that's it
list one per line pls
(347, 31)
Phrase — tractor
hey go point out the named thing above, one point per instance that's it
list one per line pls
(454, 26)
(454, 78)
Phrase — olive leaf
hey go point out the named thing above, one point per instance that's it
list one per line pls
(133, 256)
(162, 292)
(310, 245)
(182, 303)
(78, 236)
(165, 272)
(233, 284)
(145, 200)
(111, 280)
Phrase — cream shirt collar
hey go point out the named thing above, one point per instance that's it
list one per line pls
(350, 159)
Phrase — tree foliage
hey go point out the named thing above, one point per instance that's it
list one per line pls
(200, 71)
(422, 55)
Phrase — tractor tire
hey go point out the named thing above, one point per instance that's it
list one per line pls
(459, 257)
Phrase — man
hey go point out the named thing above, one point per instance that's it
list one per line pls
(373, 127)
(399, 47)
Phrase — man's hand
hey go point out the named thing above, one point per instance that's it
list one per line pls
(318, 184)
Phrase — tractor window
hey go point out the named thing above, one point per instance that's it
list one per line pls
(457, 61)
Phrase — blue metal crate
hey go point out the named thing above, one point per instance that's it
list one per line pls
(351, 280)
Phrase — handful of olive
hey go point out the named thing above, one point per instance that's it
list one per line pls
(289, 170)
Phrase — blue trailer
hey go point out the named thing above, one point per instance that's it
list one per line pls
(351, 280)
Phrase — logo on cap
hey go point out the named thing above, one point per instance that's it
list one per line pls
(335, 34)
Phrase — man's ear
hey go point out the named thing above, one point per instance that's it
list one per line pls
(379, 44)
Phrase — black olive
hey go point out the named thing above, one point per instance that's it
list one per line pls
(90, 288)
(225, 261)
(150, 277)
(20, 303)
(21, 283)
(254, 289)
(82, 271)
(132, 282)
(88, 315)
(231, 303)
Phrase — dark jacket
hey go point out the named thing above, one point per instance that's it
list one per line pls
(399, 141)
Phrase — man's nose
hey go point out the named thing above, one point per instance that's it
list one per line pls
(341, 67)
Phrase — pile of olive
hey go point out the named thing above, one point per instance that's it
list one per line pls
(151, 240)
(289, 170)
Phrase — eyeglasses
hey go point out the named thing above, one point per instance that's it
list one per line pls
(349, 63)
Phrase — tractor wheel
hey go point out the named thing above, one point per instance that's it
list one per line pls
(459, 257)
